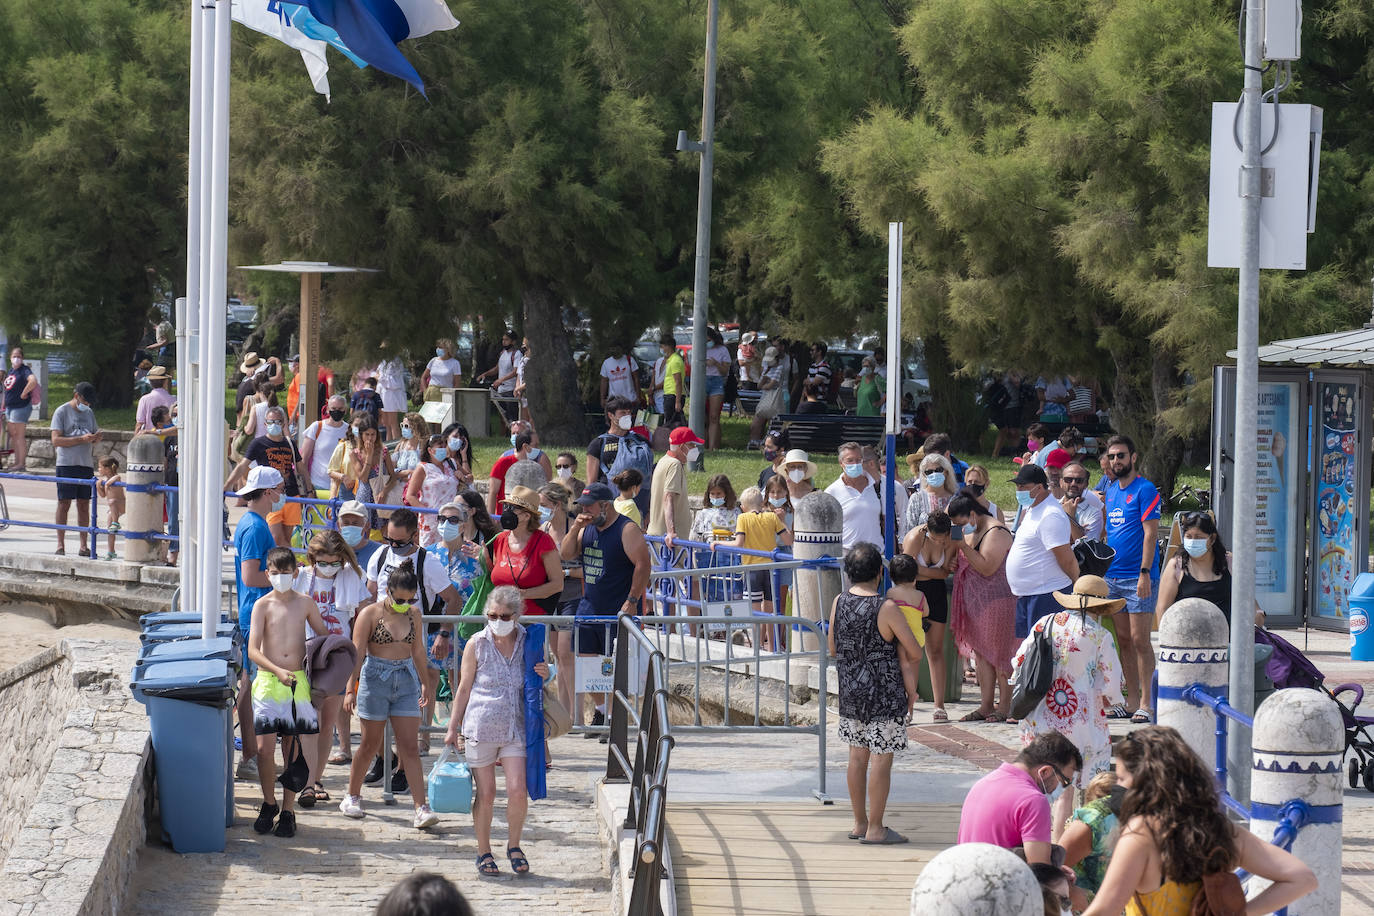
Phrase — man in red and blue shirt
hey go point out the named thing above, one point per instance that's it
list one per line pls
(1131, 507)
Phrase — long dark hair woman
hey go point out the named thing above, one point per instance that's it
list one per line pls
(1175, 832)
(1200, 569)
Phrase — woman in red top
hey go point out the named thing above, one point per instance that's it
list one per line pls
(524, 556)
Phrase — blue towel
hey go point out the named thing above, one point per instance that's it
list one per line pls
(534, 713)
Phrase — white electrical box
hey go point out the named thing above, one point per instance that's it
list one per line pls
(1288, 183)
(1281, 32)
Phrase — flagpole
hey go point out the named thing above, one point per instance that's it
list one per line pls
(212, 323)
(187, 389)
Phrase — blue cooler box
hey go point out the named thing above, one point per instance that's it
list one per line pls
(1361, 614)
(191, 708)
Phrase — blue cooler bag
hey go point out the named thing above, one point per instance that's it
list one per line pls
(450, 784)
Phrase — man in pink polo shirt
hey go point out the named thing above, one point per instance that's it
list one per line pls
(1010, 806)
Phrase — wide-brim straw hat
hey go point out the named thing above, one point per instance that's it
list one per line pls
(250, 362)
(797, 456)
(1090, 593)
(523, 498)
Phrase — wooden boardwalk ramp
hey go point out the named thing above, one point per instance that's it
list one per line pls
(794, 858)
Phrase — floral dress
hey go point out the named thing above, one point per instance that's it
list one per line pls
(1085, 675)
(439, 488)
(873, 701)
(1098, 817)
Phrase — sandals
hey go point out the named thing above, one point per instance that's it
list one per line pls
(320, 794)
(1142, 716)
(340, 757)
(977, 716)
(995, 717)
(308, 797)
(939, 715)
(890, 838)
(486, 865)
(518, 863)
(1118, 711)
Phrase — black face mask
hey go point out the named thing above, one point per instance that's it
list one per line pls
(977, 489)
(336, 415)
(510, 520)
(1116, 798)
(507, 346)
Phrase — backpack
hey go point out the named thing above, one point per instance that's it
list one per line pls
(1036, 674)
(425, 607)
(633, 452)
(367, 399)
(1220, 895)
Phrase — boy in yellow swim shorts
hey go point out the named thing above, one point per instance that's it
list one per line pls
(281, 693)
(903, 570)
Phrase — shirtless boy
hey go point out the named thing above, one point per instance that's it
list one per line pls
(281, 693)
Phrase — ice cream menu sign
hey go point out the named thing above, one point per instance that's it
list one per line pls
(1276, 489)
(1335, 469)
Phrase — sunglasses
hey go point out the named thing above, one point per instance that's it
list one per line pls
(398, 542)
(1118, 456)
(509, 616)
(331, 564)
(451, 518)
(1064, 780)
(1074, 479)
(560, 466)
(397, 600)
(1191, 519)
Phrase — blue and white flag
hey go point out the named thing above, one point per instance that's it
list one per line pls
(268, 17)
(371, 29)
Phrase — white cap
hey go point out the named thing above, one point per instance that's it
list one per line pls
(260, 477)
(353, 507)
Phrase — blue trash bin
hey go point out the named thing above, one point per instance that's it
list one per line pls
(171, 632)
(161, 617)
(188, 705)
(1361, 614)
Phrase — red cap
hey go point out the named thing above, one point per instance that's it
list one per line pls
(684, 434)
(1058, 458)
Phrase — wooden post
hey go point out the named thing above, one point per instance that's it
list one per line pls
(310, 351)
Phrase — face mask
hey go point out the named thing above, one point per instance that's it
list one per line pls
(977, 489)
(936, 479)
(693, 454)
(545, 515)
(352, 534)
(777, 502)
(1196, 547)
(400, 607)
(796, 475)
(1058, 789)
(176, 421)
(970, 528)
(509, 520)
(1032, 445)
(565, 473)
(439, 352)
(1024, 499)
(853, 470)
(501, 627)
(355, 432)
(16, 362)
(770, 454)
(625, 422)
(336, 415)
(449, 531)
(512, 441)
(717, 501)
(455, 445)
(274, 429)
(439, 453)
(328, 570)
(278, 502)
(407, 432)
(281, 582)
(1116, 799)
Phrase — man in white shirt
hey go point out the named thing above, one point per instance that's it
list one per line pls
(321, 438)
(1082, 503)
(873, 466)
(505, 369)
(1041, 561)
(619, 377)
(858, 501)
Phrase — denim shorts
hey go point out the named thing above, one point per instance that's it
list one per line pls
(19, 414)
(1126, 588)
(388, 688)
(715, 385)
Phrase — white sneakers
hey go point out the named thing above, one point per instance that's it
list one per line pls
(424, 817)
(352, 806)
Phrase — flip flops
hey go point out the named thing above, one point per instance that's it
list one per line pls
(890, 838)
(1142, 717)
(1118, 711)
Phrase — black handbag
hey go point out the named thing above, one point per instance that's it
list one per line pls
(1094, 557)
(1035, 676)
(296, 775)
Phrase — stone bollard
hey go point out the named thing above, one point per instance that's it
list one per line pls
(976, 879)
(816, 534)
(526, 473)
(1194, 645)
(142, 509)
(1299, 741)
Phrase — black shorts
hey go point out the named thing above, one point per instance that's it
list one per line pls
(937, 599)
(758, 584)
(74, 490)
(594, 638)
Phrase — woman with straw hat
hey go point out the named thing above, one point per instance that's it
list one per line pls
(1086, 678)
(524, 556)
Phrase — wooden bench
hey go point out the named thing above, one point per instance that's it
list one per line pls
(824, 433)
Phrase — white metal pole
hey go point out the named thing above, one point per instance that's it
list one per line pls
(894, 381)
(212, 326)
(187, 394)
(1242, 681)
(701, 283)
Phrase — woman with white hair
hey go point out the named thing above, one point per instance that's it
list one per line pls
(935, 486)
(488, 723)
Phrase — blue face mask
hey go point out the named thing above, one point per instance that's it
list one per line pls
(455, 445)
(274, 429)
(1056, 792)
(512, 441)
(936, 479)
(176, 421)
(278, 502)
(1024, 499)
(352, 534)
(545, 515)
(853, 470)
(439, 453)
(355, 432)
(717, 501)
(1196, 547)
(777, 502)
(439, 352)
(450, 531)
(407, 432)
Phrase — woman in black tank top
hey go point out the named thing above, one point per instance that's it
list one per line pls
(1202, 569)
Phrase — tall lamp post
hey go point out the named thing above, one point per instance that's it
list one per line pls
(701, 282)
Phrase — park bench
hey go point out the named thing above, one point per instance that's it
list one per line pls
(824, 433)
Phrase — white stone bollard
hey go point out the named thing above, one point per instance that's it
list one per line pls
(142, 509)
(1194, 646)
(526, 473)
(1299, 741)
(976, 879)
(816, 533)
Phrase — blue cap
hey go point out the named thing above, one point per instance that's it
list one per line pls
(595, 493)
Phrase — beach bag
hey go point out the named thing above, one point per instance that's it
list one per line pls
(450, 784)
(475, 607)
(1094, 557)
(1036, 674)
(296, 775)
(557, 719)
(1221, 895)
(770, 405)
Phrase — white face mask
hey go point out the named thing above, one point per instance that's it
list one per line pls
(693, 453)
(565, 473)
(327, 570)
(796, 475)
(501, 627)
(282, 582)
(625, 422)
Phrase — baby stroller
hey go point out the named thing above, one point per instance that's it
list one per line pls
(1288, 667)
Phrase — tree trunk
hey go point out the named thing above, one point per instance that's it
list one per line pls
(954, 405)
(551, 375)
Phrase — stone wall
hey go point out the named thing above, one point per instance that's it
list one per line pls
(35, 697)
(77, 847)
(113, 442)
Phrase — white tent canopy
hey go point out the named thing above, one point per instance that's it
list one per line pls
(1339, 348)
